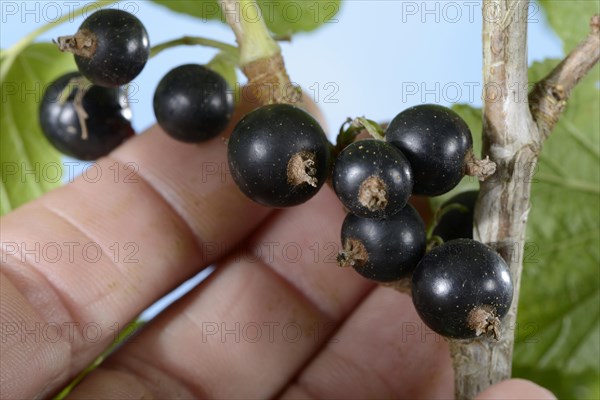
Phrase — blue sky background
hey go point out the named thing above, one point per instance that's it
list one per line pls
(379, 58)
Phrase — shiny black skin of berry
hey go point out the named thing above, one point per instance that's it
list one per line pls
(193, 103)
(457, 223)
(372, 178)
(108, 122)
(384, 250)
(455, 278)
(278, 155)
(120, 47)
(436, 141)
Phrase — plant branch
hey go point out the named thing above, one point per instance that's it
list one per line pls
(549, 96)
(260, 55)
(513, 134)
(503, 204)
(245, 19)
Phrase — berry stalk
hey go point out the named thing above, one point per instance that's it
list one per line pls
(351, 129)
(9, 55)
(260, 55)
(231, 51)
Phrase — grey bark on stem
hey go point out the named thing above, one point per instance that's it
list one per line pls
(549, 97)
(514, 128)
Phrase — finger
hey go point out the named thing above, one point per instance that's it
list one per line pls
(110, 385)
(382, 351)
(122, 239)
(517, 389)
(249, 329)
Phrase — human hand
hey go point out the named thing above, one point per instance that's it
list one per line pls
(290, 324)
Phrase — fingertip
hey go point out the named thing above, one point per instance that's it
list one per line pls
(517, 389)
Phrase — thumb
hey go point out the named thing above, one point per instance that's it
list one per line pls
(520, 389)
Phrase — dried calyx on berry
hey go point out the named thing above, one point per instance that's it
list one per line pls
(372, 179)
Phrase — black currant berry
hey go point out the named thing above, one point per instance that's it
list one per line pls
(372, 178)
(105, 112)
(278, 155)
(193, 103)
(462, 289)
(457, 223)
(111, 47)
(383, 250)
(436, 141)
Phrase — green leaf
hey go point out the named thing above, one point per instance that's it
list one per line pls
(559, 319)
(570, 19)
(472, 117)
(226, 67)
(283, 17)
(29, 164)
(564, 386)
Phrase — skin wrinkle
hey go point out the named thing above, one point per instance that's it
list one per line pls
(157, 380)
(40, 298)
(29, 351)
(112, 384)
(68, 313)
(160, 194)
(228, 298)
(378, 352)
(190, 378)
(68, 302)
(13, 220)
(103, 295)
(198, 240)
(293, 382)
(289, 270)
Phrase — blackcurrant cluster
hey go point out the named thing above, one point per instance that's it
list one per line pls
(461, 288)
(423, 152)
(279, 156)
(86, 114)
